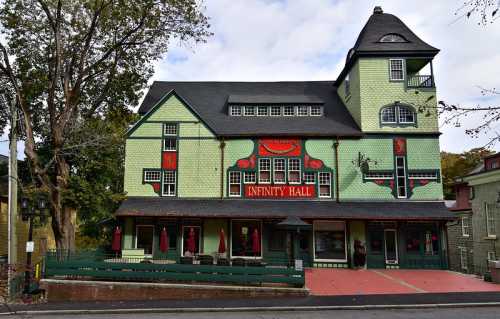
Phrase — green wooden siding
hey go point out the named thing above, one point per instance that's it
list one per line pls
(353, 100)
(139, 154)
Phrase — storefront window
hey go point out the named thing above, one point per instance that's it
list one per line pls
(376, 242)
(144, 238)
(171, 233)
(246, 238)
(277, 239)
(431, 243)
(190, 240)
(330, 241)
(413, 241)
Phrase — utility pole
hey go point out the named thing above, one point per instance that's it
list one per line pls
(12, 180)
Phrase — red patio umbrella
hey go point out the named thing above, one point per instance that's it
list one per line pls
(222, 242)
(191, 242)
(117, 240)
(256, 242)
(163, 241)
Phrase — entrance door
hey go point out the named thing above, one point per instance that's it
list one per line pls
(375, 249)
(391, 246)
(144, 238)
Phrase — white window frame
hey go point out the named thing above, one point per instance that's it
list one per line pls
(391, 107)
(259, 108)
(314, 113)
(314, 240)
(491, 256)
(387, 261)
(169, 149)
(269, 170)
(299, 170)
(288, 107)
(375, 175)
(152, 240)
(398, 176)
(301, 109)
(463, 258)
(170, 125)
(261, 241)
(490, 221)
(148, 180)
(323, 184)
(306, 181)
(235, 110)
(233, 183)
(402, 70)
(246, 110)
(400, 120)
(275, 107)
(465, 226)
(423, 175)
(199, 238)
(245, 174)
(276, 160)
(163, 193)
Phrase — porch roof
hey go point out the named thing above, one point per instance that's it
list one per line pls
(240, 208)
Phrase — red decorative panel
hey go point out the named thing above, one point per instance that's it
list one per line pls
(156, 187)
(279, 147)
(169, 160)
(246, 162)
(282, 191)
(400, 146)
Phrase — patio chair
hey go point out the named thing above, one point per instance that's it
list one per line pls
(186, 260)
(206, 260)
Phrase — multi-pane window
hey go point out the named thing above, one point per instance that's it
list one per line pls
(309, 178)
(170, 129)
(249, 177)
(289, 111)
(235, 110)
(406, 115)
(423, 175)
(396, 69)
(316, 111)
(264, 170)
(262, 111)
(490, 219)
(169, 183)
(279, 171)
(169, 144)
(303, 110)
(401, 176)
(294, 171)
(392, 37)
(465, 226)
(275, 110)
(235, 184)
(379, 175)
(152, 176)
(347, 84)
(388, 114)
(463, 258)
(324, 181)
(249, 110)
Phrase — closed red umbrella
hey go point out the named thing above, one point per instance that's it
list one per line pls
(164, 240)
(191, 242)
(256, 242)
(222, 242)
(117, 240)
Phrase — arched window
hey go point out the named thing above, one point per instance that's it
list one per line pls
(392, 37)
(388, 114)
(397, 114)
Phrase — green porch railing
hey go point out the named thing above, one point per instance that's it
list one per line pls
(100, 266)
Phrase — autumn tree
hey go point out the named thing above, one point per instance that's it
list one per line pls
(66, 63)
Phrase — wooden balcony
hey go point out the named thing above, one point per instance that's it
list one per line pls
(420, 81)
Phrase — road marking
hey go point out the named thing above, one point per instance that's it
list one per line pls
(399, 281)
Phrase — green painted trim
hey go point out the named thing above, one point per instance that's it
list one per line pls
(159, 104)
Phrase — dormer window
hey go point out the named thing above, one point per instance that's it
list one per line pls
(249, 110)
(397, 114)
(393, 38)
(235, 110)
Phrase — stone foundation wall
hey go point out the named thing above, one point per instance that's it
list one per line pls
(78, 290)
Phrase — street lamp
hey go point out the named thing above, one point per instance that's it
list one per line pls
(28, 213)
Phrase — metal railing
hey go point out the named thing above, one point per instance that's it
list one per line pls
(97, 265)
(420, 81)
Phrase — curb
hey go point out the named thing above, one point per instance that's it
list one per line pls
(247, 309)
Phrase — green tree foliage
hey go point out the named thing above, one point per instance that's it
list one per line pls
(454, 166)
(69, 64)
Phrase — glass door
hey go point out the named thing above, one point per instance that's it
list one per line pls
(391, 246)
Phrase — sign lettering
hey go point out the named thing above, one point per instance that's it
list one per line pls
(281, 191)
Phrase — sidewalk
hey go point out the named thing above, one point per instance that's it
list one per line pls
(300, 303)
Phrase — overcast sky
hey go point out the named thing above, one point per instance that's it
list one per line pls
(271, 40)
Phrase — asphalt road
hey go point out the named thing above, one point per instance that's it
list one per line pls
(451, 313)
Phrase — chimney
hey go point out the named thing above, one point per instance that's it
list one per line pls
(378, 10)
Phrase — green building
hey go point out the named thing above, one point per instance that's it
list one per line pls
(351, 166)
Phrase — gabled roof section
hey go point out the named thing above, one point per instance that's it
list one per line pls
(209, 100)
(378, 25)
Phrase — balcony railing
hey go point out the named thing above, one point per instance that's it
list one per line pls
(420, 81)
